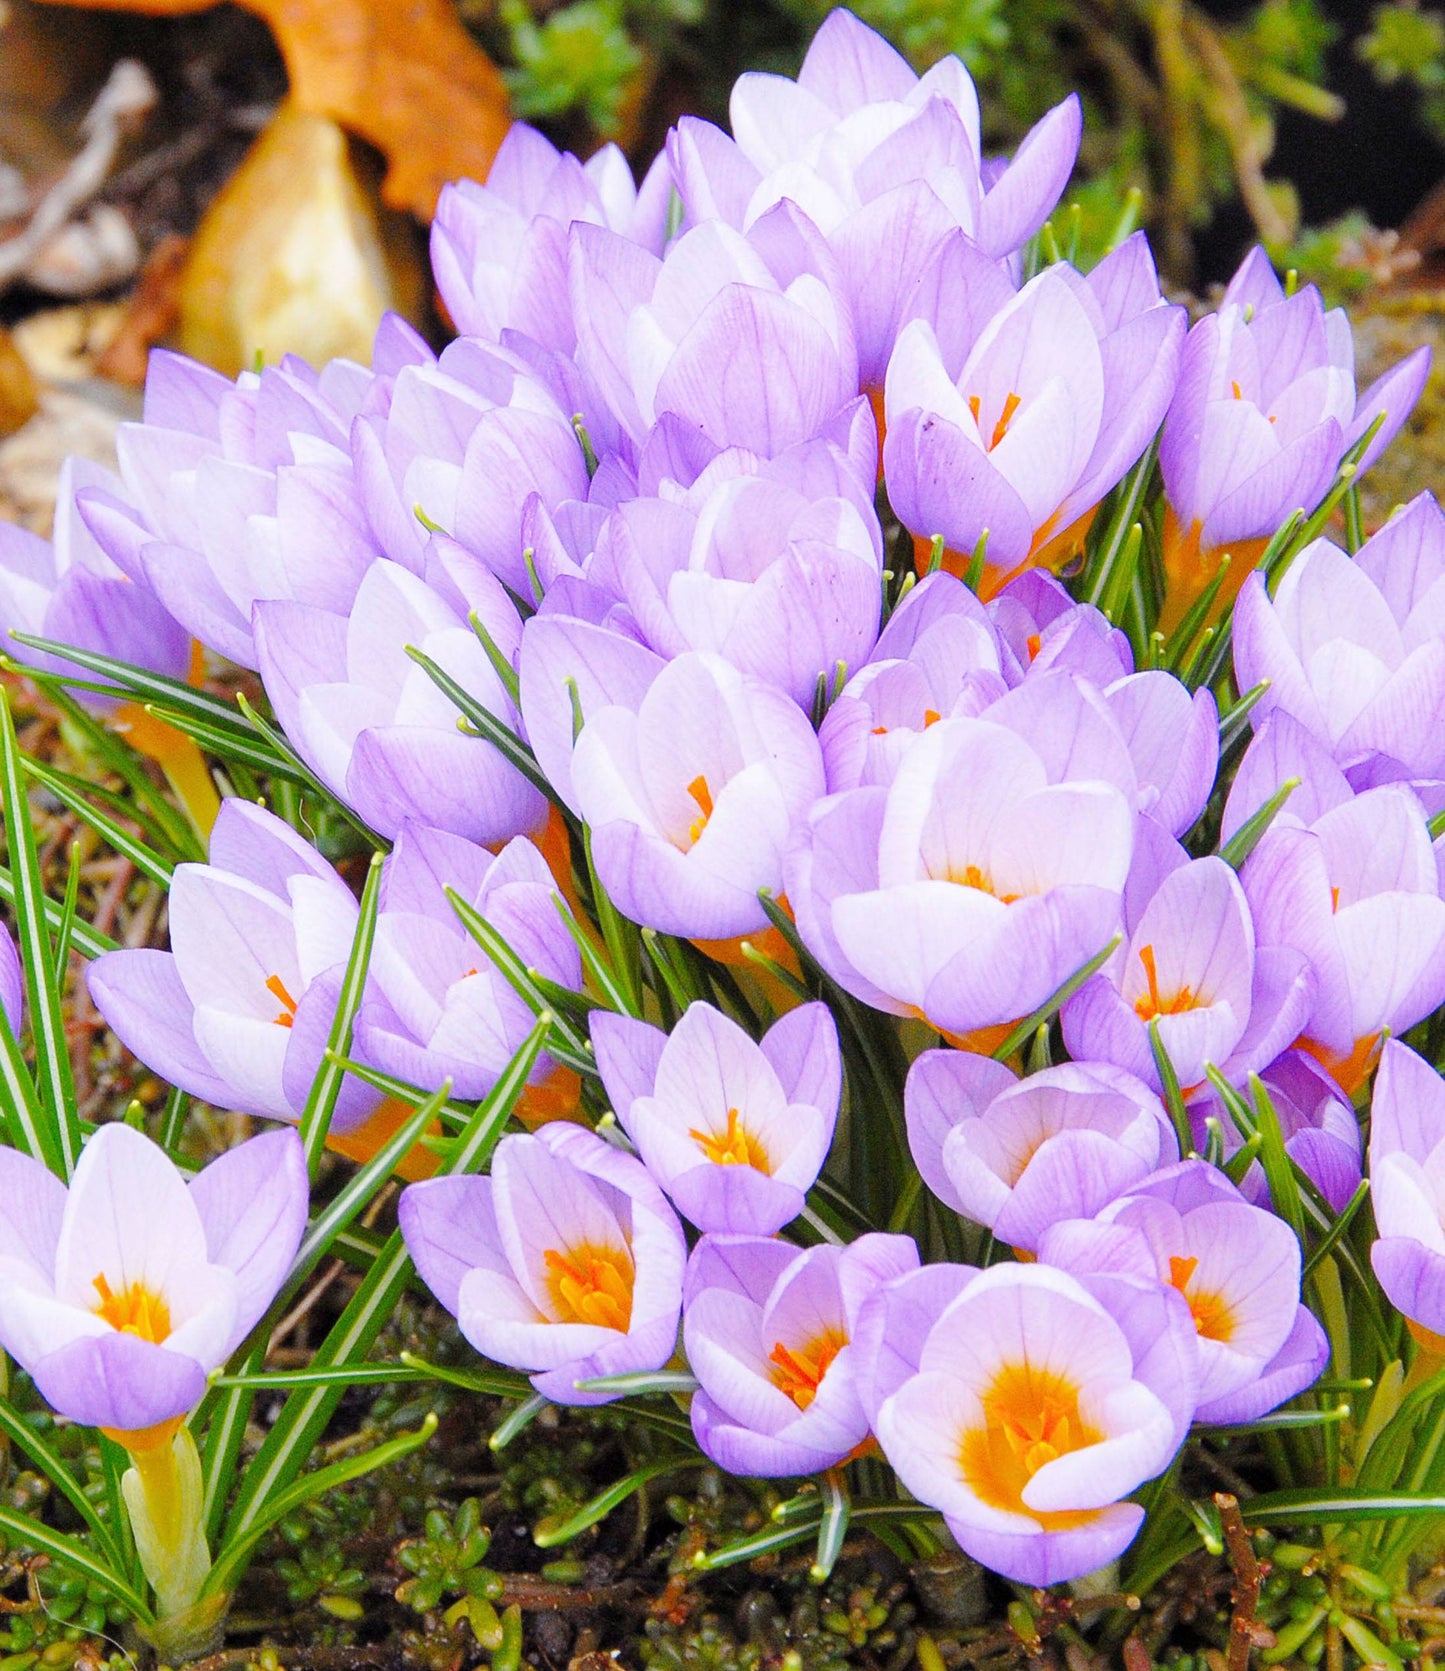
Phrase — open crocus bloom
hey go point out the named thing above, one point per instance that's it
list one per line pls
(766, 1329)
(1353, 648)
(1407, 1185)
(1191, 967)
(986, 873)
(1055, 400)
(735, 1131)
(693, 796)
(1026, 1411)
(1018, 1156)
(1358, 893)
(1237, 1266)
(238, 1011)
(120, 1294)
(566, 1262)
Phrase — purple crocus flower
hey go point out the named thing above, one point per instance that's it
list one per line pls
(371, 722)
(1055, 399)
(245, 490)
(1407, 1186)
(1018, 1156)
(1264, 411)
(566, 1262)
(1282, 750)
(774, 565)
(1028, 1407)
(694, 795)
(12, 982)
(1236, 1265)
(120, 1294)
(1354, 649)
(1358, 893)
(1045, 628)
(886, 163)
(499, 249)
(1191, 967)
(985, 874)
(1318, 1123)
(435, 1007)
(735, 1131)
(736, 336)
(238, 1011)
(766, 1328)
(68, 589)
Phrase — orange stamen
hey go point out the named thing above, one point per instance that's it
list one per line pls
(1213, 1316)
(799, 1372)
(1034, 643)
(277, 988)
(734, 1147)
(591, 1285)
(700, 792)
(1000, 429)
(1150, 1004)
(136, 1310)
(1031, 1418)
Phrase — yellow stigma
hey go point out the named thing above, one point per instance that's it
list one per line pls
(136, 1310)
(1031, 1418)
(591, 1284)
(1213, 1316)
(799, 1371)
(734, 1147)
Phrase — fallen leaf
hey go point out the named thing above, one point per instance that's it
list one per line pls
(150, 315)
(404, 74)
(19, 396)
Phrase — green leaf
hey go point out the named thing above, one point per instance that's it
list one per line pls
(485, 723)
(1249, 834)
(1173, 1095)
(55, 1469)
(26, 1125)
(837, 1511)
(640, 1382)
(235, 1554)
(1330, 1506)
(557, 1529)
(90, 942)
(31, 1534)
(1277, 1421)
(59, 1135)
(760, 1543)
(326, 1085)
(149, 863)
(510, 966)
(1046, 1011)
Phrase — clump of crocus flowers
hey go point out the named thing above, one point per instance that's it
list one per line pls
(781, 652)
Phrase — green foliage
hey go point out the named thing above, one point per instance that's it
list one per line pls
(581, 58)
(1407, 44)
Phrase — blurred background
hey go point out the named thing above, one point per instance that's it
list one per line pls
(251, 180)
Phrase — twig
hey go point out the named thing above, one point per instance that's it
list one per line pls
(1244, 1633)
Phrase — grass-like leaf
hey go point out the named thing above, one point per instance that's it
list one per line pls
(55, 1469)
(145, 859)
(1051, 1006)
(90, 942)
(22, 1531)
(557, 1529)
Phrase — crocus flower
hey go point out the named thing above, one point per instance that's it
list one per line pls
(1282, 751)
(1264, 411)
(374, 726)
(120, 1294)
(499, 249)
(1354, 648)
(773, 565)
(1321, 1133)
(1407, 1186)
(735, 1131)
(736, 336)
(1029, 1410)
(435, 1007)
(1238, 1266)
(1358, 893)
(694, 795)
(985, 874)
(565, 1262)
(238, 1011)
(245, 490)
(886, 163)
(12, 982)
(68, 589)
(1018, 1156)
(766, 1328)
(1056, 398)
(1192, 970)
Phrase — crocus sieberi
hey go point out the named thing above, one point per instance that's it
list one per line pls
(735, 1130)
(766, 1330)
(1237, 1266)
(1407, 1188)
(1354, 648)
(1018, 1155)
(566, 1262)
(1022, 436)
(435, 1007)
(1264, 411)
(1027, 1408)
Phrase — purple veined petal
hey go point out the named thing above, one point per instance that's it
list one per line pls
(12, 983)
(1073, 1174)
(627, 1052)
(773, 119)
(1264, 654)
(944, 1087)
(1025, 194)
(253, 843)
(1295, 476)
(1298, 1364)
(1055, 1556)
(190, 592)
(32, 1208)
(847, 64)
(714, 178)
(306, 1042)
(449, 1226)
(1394, 395)
(119, 1381)
(1282, 749)
(143, 1001)
(893, 1323)
(802, 1047)
(940, 482)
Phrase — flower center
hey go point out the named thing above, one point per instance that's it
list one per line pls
(799, 1371)
(1011, 404)
(700, 792)
(734, 1147)
(1150, 1004)
(277, 988)
(590, 1284)
(1213, 1317)
(974, 876)
(136, 1310)
(931, 716)
(1031, 1418)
